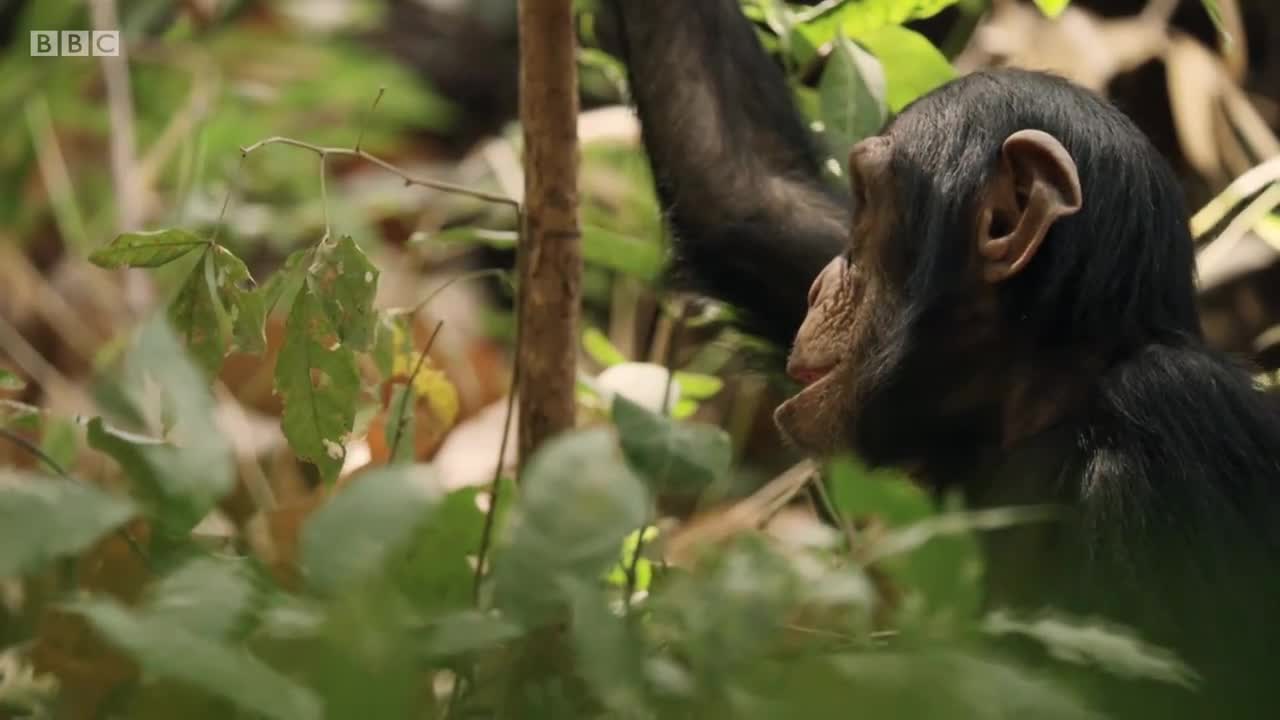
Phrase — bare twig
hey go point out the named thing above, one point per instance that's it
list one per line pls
(409, 392)
(115, 70)
(53, 171)
(365, 126)
(495, 485)
(677, 327)
(389, 167)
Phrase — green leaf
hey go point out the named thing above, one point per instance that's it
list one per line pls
(617, 251)
(672, 456)
(1054, 8)
(207, 596)
(242, 307)
(435, 571)
(608, 657)
(856, 17)
(912, 65)
(184, 475)
(43, 518)
(684, 409)
(317, 378)
(346, 282)
(468, 631)
(856, 491)
(1116, 650)
(1215, 14)
(940, 683)
(10, 382)
(19, 416)
(600, 349)
(354, 535)
(141, 459)
(146, 249)
(164, 649)
(195, 315)
(851, 95)
(579, 501)
(393, 337)
(278, 291)
(697, 386)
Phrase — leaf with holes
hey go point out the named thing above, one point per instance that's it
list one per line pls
(672, 456)
(215, 303)
(346, 282)
(317, 378)
(195, 314)
(146, 249)
(245, 307)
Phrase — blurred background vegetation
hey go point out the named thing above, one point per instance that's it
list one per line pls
(165, 552)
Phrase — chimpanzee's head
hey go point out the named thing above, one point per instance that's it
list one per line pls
(1013, 236)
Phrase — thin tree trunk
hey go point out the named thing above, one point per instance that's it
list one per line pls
(550, 255)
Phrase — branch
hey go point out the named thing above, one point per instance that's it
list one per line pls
(550, 250)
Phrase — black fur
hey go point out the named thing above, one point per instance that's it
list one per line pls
(1169, 460)
(736, 170)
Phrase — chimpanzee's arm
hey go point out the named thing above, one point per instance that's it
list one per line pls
(736, 169)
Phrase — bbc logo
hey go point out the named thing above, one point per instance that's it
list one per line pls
(75, 43)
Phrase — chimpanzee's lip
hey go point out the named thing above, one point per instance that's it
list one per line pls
(809, 375)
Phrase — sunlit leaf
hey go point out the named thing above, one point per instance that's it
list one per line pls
(855, 17)
(146, 249)
(1054, 8)
(672, 456)
(167, 650)
(912, 65)
(697, 386)
(353, 536)
(600, 349)
(44, 518)
(852, 96)
(316, 375)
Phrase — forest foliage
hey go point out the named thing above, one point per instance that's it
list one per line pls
(401, 597)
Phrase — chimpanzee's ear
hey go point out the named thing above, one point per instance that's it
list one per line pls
(1036, 184)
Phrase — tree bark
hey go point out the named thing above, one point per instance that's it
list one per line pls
(550, 252)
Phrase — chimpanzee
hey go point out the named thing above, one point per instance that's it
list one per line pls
(1004, 304)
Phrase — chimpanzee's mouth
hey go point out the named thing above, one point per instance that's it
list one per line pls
(807, 376)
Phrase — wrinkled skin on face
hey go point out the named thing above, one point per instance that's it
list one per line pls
(859, 346)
